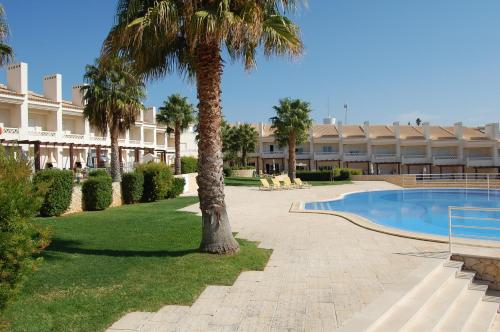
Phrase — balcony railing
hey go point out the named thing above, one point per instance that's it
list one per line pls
(42, 133)
(385, 157)
(480, 161)
(74, 136)
(134, 141)
(303, 155)
(414, 159)
(273, 154)
(326, 155)
(447, 160)
(355, 156)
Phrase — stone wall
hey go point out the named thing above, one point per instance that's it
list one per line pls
(243, 173)
(486, 268)
(394, 179)
(76, 198)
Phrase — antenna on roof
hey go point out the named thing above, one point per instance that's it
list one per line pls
(345, 116)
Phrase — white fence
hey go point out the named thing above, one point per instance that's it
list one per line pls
(452, 180)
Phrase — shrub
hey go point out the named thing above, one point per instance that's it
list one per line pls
(98, 172)
(177, 188)
(227, 171)
(189, 165)
(315, 175)
(157, 181)
(238, 168)
(20, 240)
(132, 186)
(59, 189)
(97, 193)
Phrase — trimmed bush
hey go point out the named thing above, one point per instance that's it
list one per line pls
(177, 188)
(157, 181)
(97, 193)
(20, 240)
(98, 172)
(132, 187)
(228, 172)
(189, 165)
(59, 189)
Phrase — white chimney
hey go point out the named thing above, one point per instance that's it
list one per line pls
(491, 130)
(366, 128)
(17, 77)
(427, 130)
(77, 95)
(52, 87)
(459, 130)
(395, 126)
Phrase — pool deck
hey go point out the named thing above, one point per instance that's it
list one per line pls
(323, 269)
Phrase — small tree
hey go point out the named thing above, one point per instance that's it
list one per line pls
(20, 239)
(418, 121)
(291, 123)
(176, 113)
(112, 98)
(245, 140)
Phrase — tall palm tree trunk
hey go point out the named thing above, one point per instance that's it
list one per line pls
(177, 138)
(115, 155)
(292, 164)
(217, 236)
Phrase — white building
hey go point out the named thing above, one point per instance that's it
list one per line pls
(386, 149)
(54, 132)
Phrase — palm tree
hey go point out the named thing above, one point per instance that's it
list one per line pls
(6, 52)
(188, 36)
(246, 140)
(291, 123)
(177, 113)
(418, 121)
(112, 98)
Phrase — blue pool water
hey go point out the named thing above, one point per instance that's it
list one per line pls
(423, 210)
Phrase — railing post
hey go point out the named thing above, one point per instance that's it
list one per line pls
(449, 229)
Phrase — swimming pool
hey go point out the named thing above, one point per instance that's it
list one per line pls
(422, 210)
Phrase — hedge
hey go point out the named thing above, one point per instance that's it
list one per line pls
(228, 172)
(132, 187)
(58, 187)
(97, 193)
(338, 174)
(157, 181)
(177, 188)
(98, 172)
(189, 165)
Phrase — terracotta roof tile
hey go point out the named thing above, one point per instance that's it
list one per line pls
(353, 131)
(325, 130)
(410, 132)
(381, 131)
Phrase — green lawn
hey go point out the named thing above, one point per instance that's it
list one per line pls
(253, 182)
(102, 265)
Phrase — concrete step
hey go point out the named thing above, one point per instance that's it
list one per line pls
(382, 306)
(399, 315)
(133, 321)
(428, 316)
(460, 311)
(482, 317)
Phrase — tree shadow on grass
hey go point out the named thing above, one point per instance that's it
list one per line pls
(75, 247)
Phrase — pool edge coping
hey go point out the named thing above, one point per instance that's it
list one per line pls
(299, 207)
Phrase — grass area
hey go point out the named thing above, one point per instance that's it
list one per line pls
(102, 265)
(254, 182)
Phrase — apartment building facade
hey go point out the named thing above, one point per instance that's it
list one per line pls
(386, 149)
(54, 133)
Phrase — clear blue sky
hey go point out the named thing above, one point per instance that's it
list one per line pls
(388, 59)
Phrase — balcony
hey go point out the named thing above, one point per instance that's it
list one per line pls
(446, 160)
(148, 143)
(356, 156)
(134, 142)
(9, 133)
(273, 154)
(37, 133)
(415, 159)
(303, 155)
(385, 158)
(327, 155)
(480, 162)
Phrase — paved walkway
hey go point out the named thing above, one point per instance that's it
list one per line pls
(322, 271)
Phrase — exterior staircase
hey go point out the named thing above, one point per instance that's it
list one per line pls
(446, 299)
(437, 297)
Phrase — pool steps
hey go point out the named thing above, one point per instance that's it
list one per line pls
(445, 299)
